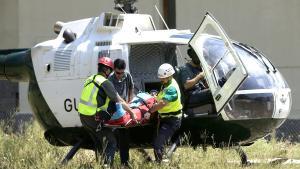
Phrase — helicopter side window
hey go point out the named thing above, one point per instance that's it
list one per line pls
(219, 59)
(113, 54)
(107, 19)
(104, 53)
(223, 69)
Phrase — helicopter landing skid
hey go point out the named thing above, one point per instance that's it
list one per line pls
(72, 152)
(173, 148)
(243, 156)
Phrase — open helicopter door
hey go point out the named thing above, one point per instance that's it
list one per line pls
(223, 68)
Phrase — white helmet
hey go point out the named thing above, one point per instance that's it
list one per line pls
(165, 70)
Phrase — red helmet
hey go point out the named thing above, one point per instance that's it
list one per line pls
(106, 61)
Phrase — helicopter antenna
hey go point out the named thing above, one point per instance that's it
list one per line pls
(161, 17)
(122, 8)
(126, 6)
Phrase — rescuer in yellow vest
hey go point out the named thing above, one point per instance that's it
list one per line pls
(169, 109)
(100, 100)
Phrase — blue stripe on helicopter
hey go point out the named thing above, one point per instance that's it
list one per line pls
(182, 36)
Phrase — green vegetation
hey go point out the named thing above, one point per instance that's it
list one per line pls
(31, 150)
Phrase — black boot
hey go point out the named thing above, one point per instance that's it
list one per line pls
(158, 155)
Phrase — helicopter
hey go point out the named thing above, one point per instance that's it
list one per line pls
(250, 96)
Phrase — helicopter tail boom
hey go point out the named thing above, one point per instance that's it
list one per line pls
(15, 65)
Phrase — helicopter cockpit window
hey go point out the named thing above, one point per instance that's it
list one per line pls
(219, 59)
(113, 20)
(107, 19)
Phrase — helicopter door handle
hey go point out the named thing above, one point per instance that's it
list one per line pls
(218, 97)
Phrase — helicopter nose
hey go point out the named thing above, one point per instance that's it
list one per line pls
(283, 102)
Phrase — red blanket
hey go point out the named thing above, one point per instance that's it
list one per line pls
(142, 116)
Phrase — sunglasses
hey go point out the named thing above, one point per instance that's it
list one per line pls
(119, 73)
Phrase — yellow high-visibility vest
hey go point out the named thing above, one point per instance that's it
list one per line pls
(171, 107)
(88, 100)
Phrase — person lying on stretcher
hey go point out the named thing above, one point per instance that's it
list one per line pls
(140, 105)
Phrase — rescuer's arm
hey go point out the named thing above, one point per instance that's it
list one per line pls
(127, 108)
(113, 96)
(131, 87)
(170, 96)
(160, 104)
(191, 82)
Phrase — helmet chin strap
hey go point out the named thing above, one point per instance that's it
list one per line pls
(107, 74)
(168, 82)
(104, 73)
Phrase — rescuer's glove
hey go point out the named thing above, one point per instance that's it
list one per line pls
(119, 112)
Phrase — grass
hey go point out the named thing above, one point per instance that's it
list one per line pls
(31, 150)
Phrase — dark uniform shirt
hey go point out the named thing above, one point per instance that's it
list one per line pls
(123, 86)
(189, 72)
(107, 89)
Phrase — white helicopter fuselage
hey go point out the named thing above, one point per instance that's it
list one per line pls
(248, 96)
(61, 68)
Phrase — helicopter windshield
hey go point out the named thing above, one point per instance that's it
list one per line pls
(244, 84)
(255, 97)
(259, 77)
(222, 64)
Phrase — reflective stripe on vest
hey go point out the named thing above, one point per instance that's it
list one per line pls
(88, 99)
(174, 106)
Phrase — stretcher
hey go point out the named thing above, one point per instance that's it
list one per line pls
(140, 105)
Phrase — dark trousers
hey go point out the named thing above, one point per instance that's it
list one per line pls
(168, 126)
(123, 140)
(103, 140)
(199, 97)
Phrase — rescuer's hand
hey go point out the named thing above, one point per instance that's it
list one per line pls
(147, 115)
(200, 76)
(133, 116)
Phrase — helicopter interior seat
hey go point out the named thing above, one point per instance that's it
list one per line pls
(205, 106)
